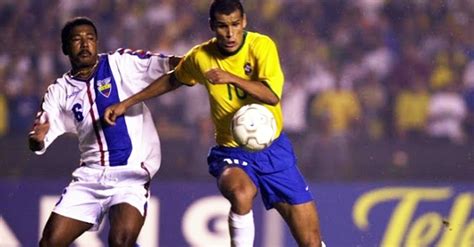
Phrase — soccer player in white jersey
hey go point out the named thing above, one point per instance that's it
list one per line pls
(117, 163)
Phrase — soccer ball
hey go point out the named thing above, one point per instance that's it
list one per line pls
(254, 127)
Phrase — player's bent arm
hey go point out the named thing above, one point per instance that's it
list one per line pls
(258, 90)
(162, 85)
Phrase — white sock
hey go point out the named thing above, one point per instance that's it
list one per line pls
(242, 229)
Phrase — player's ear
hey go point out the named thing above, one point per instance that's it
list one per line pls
(244, 21)
(211, 25)
(65, 50)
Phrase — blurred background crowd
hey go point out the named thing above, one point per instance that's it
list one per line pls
(374, 88)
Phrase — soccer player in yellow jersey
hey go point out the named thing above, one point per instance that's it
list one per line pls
(239, 67)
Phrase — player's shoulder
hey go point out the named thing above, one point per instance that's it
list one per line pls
(202, 47)
(59, 85)
(127, 53)
(258, 43)
(62, 81)
(254, 37)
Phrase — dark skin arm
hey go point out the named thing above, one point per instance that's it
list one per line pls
(37, 134)
(165, 83)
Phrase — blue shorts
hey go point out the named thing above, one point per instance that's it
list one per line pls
(273, 170)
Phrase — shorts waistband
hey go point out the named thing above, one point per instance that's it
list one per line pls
(282, 138)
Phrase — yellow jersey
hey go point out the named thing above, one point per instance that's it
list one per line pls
(257, 60)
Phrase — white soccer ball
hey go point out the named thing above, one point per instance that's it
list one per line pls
(254, 127)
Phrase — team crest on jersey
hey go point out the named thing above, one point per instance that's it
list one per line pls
(248, 69)
(104, 86)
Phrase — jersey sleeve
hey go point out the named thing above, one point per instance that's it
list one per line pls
(140, 67)
(268, 62)
(187, 71)
(58, 122)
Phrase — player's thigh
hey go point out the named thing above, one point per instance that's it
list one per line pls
(235, 181)
(62, 231)
(125, 220)
(302, 219)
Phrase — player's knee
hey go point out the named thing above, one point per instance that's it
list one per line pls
(122, 238)
(309, 244)
(51, 241)
(311, 240)
(241, 197)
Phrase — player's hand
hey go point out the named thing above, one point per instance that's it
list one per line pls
(112, 112)
(218, 76)
(38, 133)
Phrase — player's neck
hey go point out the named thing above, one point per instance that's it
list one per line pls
(228, 54)
(83, 73)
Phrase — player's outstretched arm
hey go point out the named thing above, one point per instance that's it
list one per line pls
(38, 133)
(162, 85)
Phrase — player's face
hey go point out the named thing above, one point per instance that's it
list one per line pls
(229, 30)
(83, 46)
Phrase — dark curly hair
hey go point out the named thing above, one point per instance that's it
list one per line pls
(66, 30)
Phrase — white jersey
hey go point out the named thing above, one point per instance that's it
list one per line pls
(77, 106)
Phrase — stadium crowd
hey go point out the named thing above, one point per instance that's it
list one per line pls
(357, 71)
